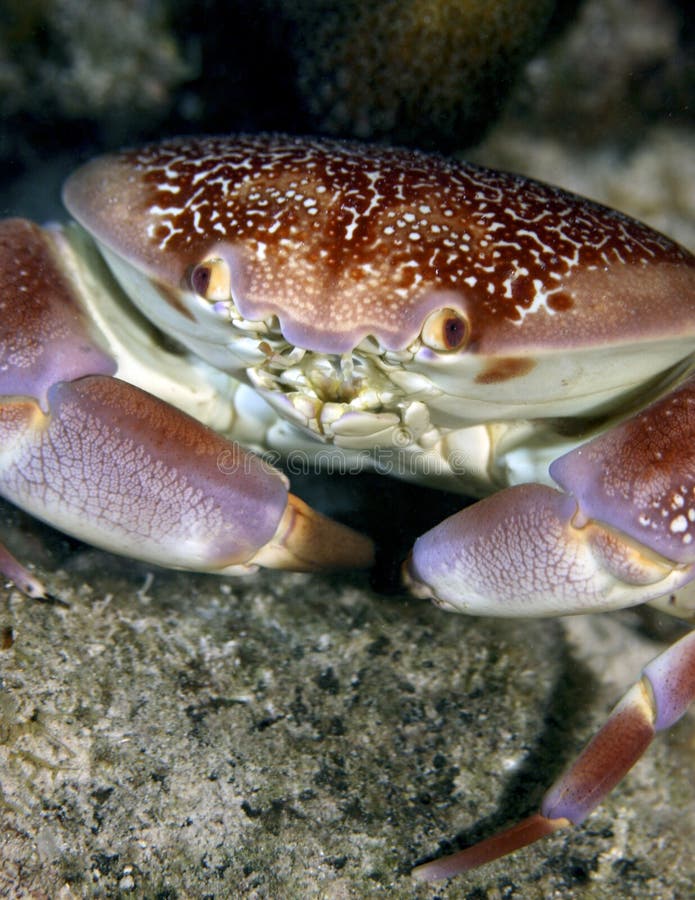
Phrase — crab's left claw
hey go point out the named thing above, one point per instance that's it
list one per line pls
(622, 534)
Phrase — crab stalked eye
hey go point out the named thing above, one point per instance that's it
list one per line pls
(445, 330)
(210, 279)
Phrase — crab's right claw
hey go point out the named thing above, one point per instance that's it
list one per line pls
(656, 702)
(109, 463)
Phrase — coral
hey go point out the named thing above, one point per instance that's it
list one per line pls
(621, 66)
(65, 58)
(430, 72)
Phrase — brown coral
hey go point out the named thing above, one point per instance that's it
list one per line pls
(430, 72)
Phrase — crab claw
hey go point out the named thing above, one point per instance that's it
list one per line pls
(119, 468)
(529, 551)
(125, 471)
(622, 534)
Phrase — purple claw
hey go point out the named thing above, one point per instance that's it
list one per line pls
(125, 471)
(528, 551)
(117, 467)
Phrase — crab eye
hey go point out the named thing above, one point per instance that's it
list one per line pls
(210, 279)
(445, 330)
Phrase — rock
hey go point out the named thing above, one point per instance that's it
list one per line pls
(300, 736)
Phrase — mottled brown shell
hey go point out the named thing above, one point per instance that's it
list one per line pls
(341, 240)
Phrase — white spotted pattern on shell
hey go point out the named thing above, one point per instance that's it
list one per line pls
(342, 240)
(644, 474)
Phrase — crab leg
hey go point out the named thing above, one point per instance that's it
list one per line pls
(119, 468)
(654, 703)
(26, 582)
(621, 534)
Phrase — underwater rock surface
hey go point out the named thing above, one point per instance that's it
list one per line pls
(172, 735)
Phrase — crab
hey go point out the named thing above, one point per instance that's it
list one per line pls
(365, 307)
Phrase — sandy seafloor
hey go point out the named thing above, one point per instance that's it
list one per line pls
(293, 736)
